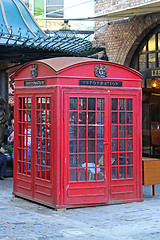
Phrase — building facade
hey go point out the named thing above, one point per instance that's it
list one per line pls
(134, 41)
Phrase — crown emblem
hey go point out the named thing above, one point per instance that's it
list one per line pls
(99, 71)
(33, 71)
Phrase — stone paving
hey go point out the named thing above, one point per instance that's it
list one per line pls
(21, 219)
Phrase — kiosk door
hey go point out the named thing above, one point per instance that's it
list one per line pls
(86, 145)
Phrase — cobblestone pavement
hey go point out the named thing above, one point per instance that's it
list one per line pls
(22, 219)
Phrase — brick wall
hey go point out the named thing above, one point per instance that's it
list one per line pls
(121, 38)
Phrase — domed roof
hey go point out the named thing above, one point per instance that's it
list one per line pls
(22, 40)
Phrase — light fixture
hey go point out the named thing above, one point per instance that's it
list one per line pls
(155, 83)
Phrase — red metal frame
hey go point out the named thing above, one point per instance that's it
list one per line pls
(85, 140)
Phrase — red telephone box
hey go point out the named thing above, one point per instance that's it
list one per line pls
(77, 133)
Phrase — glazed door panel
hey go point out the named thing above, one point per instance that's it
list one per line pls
(85, 148)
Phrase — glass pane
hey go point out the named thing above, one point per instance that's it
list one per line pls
(129, 104)
(114, 117)
(91, 146)
(43, 103)
(100, 146)
(100, 118)
(122, 159)
(100, 160)
(73, 161)
(114, 173)
(91, 118)
(73, 103)
(122, 172)
(121, 131)
(114, 131)
(72, 118)
(100, 132)
(91, 103)
(100, 104)
(82, 132)
(129, 172)
(91, 132)
(72, 146)
(121, 104)
(122, 118)
(129, 144)
(48, 103)
(82, 159)
(82, 175)
(82, 146)
(129, 131)
(152, 44)
(158, 41)
(72, 132)
(100, 174)
(82, 104)
(129, 118)
(114, 145)
(91, 174)
(142, 62)
(91, 158)
(122, 145)
(129, 158)
(82, 118)
(73, 175)
(114, 103)
(114, 159)
(151, 60)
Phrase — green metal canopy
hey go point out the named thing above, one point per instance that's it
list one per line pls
(22, 40)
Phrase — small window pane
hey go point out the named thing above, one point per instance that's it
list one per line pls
(100, 118)
(129, 158)
(82, 118)
(73, 161)
(114, 118)
(142, 62)
(122, 159)
(91, 174)
(122, 118)
(91, 146)
(72, 146)
(72, 118)
(114, 104)
(100, 104)
(114, 173)
(82, 146)
(114, 159)
(152, 44)
(73, 104)
(122, 172)
(100, 146)
(121, 131)
(72, 132)
(91, 158)
(122, 145)
(121, 104)
(129, 104)
(82, 159)
(82, 104)
(82, 132)
(73, 175)
(91, 103)
(91, 118)
(151, 60)
(129, 118)
(100, 160)
(91, 132)
(100, 132)
(129, 172)
(114, 145)
(129, 145)
(129, 131)
(114, 131)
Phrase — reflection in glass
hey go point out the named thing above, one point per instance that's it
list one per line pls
(122, 159)
(100, 132)
(114, 145)
(122, 145)
(91, 118)
(129, 172)
(121, 131)
(114, 173)
(114, 159)
(73, 103)
(100, 174)
(100, 160)
(72, 132)
(114, 131)
(129, 158)
(114, 117)
(122, 172)
(91, 145)
(73, 175)
(72, 160)
(82, 132)
(100, 104)
(129, 144)
(129, 104)
(151, 60)
(91, 158)
(129, 118)
(152, 44)
(121, 104)
(91, 132)
(142, 62)
(114, 103)
(73, 118)
(100, 118)
(82, 118)
(91, 174)
(129, 131)
(82, 104)
(100, 146)
(82, 146)
(72, 146)
(82, 159)
(122, 117)
(91, 103)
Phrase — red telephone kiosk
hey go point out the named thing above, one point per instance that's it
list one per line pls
(77, 133)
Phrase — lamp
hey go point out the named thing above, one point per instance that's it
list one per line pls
(155, 83)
